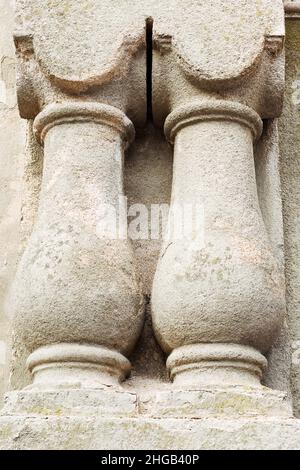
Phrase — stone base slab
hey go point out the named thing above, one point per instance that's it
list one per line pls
(76, 433)
(167, 403)
(112, 418)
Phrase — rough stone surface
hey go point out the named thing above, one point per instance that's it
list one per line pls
(162, 403)
(113, 34)
(113, 71)
(75, 433)
(12, 141)
(180, 419)
(290, 173)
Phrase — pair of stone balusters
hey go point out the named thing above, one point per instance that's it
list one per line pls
(77, 302)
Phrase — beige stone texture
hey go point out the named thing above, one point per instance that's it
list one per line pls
(82, 101)
(12, 142)
(289, 167)
(209, 293)
(114, 419)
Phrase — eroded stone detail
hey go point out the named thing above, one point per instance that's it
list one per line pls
(77, 301)
(247, 281)
(70, 280)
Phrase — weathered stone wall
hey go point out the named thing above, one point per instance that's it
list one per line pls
(12, 145)
(148, 180)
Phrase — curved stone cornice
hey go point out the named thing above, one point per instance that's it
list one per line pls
(91, 299)
(193, 112)
(62, 113)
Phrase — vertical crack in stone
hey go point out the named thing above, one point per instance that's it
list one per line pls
(149, 43)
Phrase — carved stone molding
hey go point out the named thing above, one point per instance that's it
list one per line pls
(212, 84)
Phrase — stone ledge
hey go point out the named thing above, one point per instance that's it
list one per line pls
(75, 433)
(228, 402)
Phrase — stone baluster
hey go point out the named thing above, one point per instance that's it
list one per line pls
(218, 295)
(77, 303)
(218, 300)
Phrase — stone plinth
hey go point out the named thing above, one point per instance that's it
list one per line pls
(211, 74)
(232, 418)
